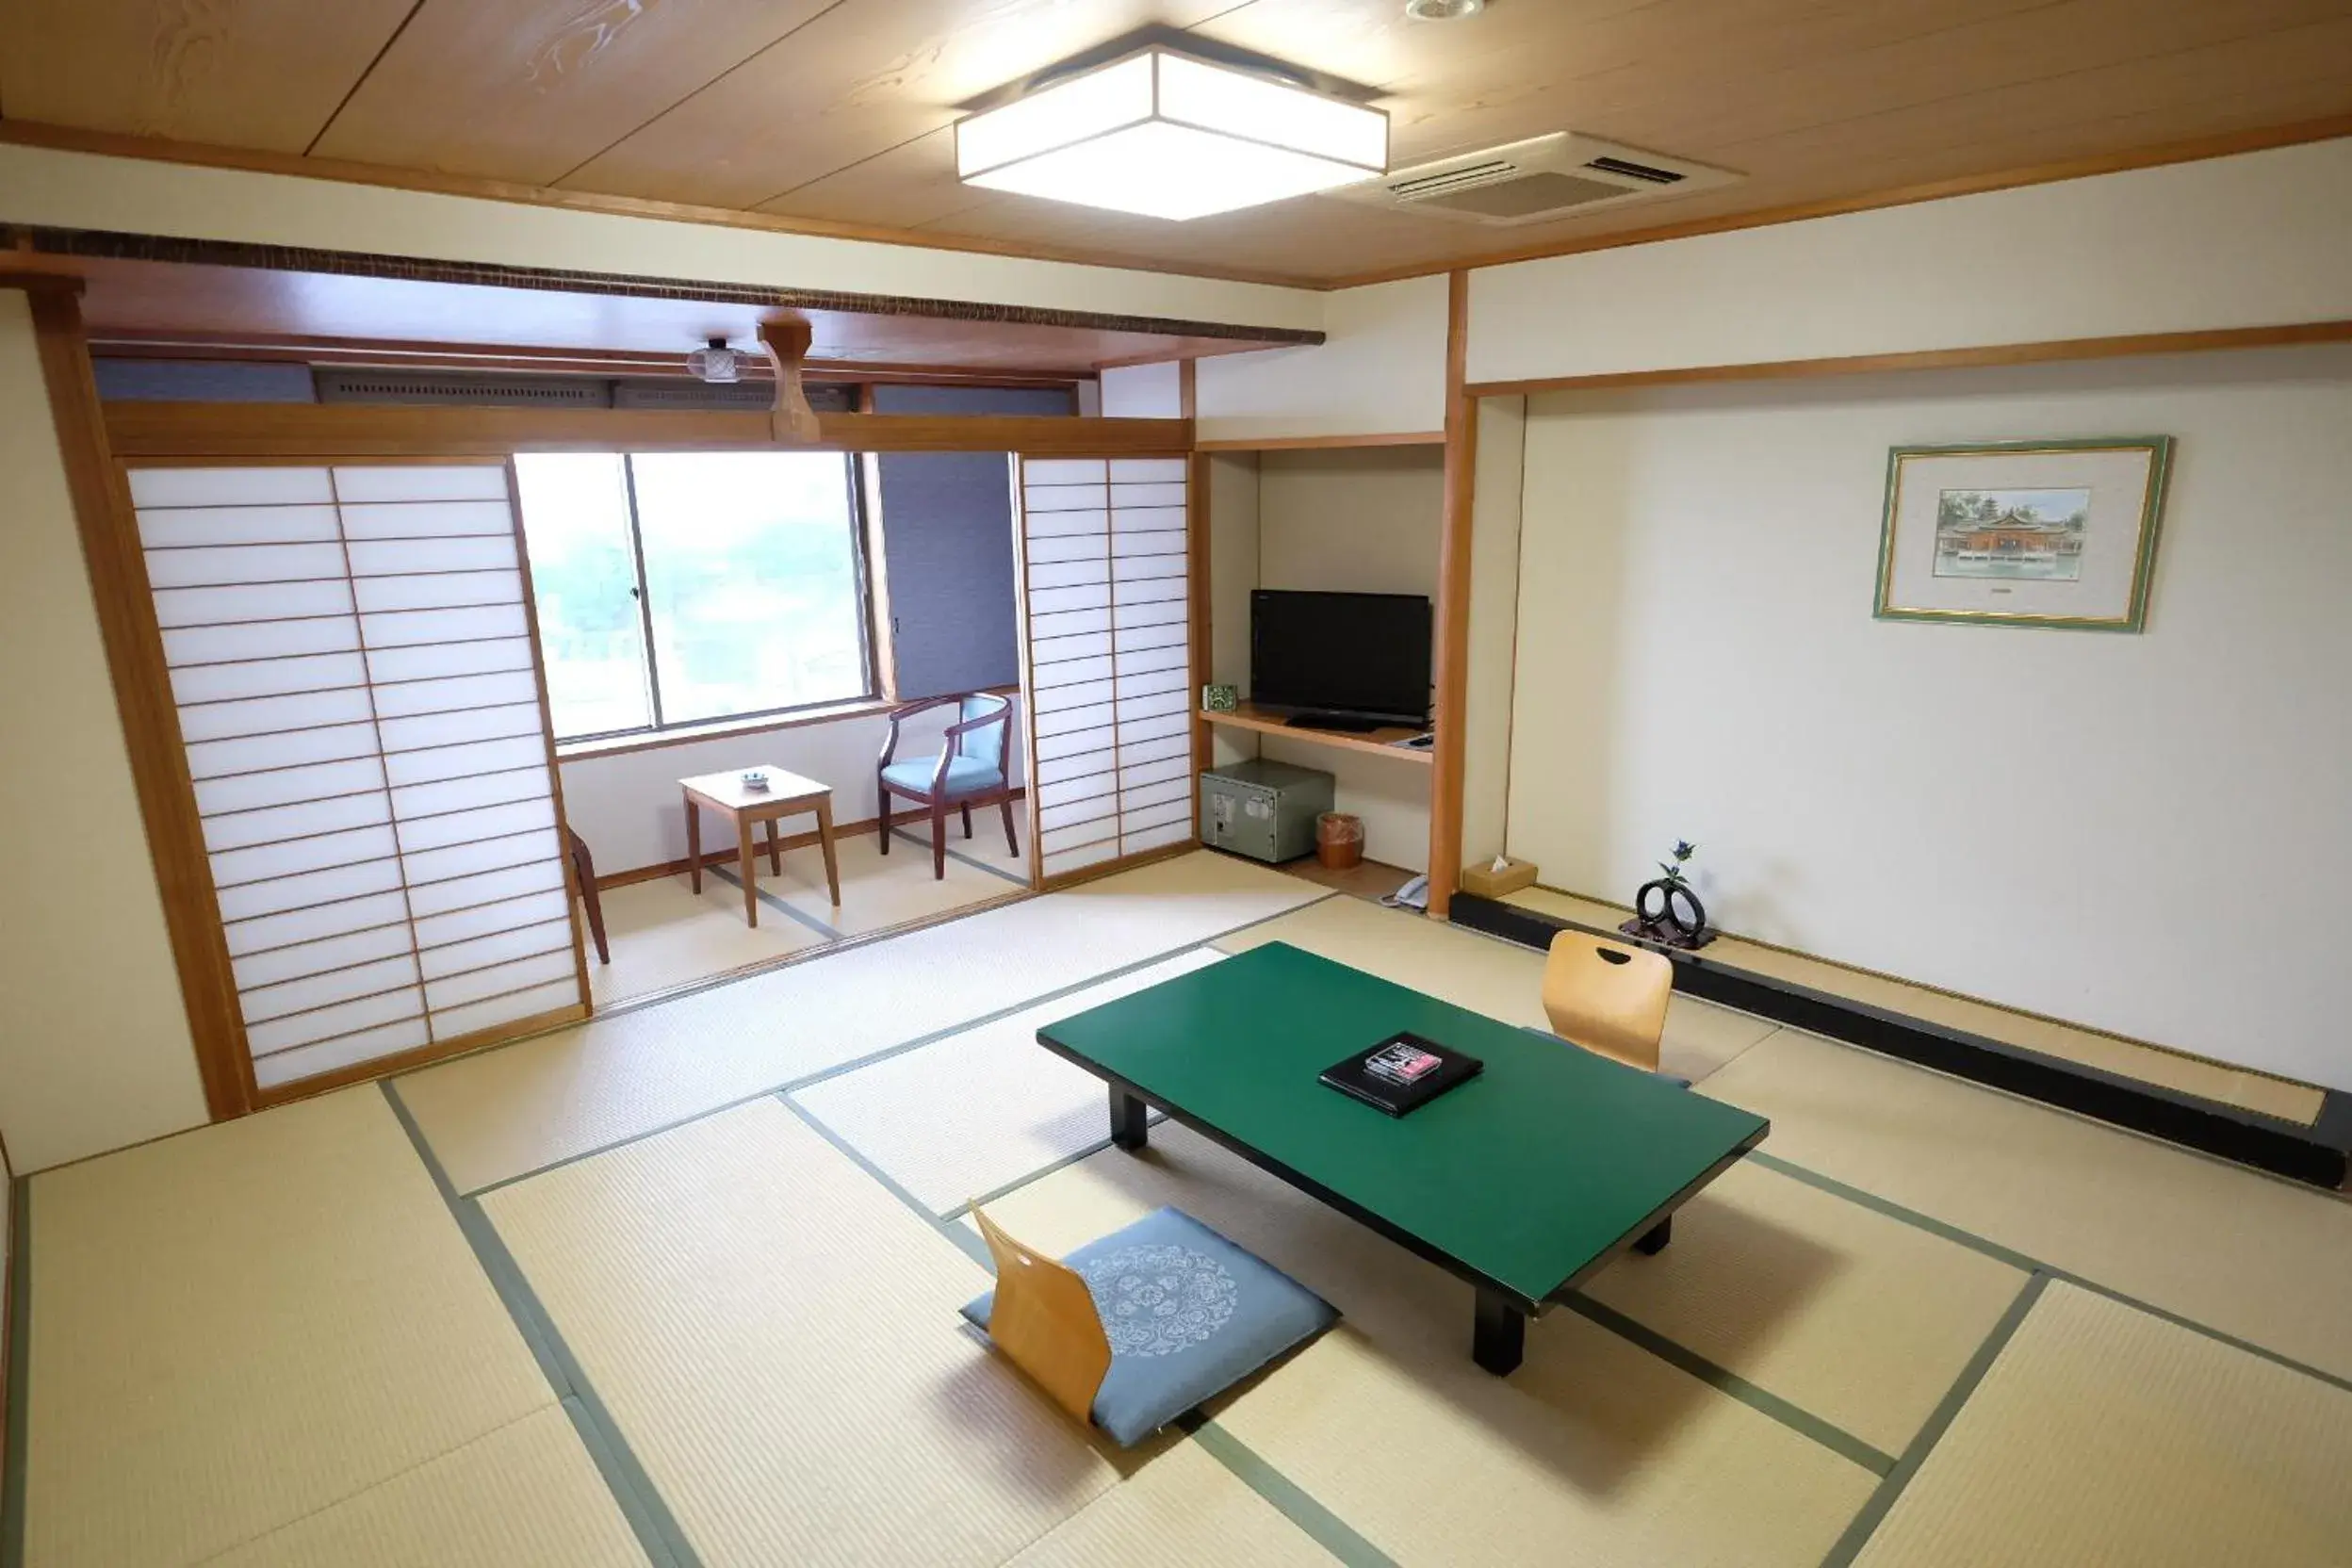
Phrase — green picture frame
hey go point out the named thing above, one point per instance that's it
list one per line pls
(2056, 534)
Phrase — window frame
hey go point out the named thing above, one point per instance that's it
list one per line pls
(862, 575)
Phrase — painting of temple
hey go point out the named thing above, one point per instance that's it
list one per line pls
(2012, 534)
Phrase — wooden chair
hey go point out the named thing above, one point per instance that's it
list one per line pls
(584, 872)
(1044, 1320)
(1607, 997)
(969, 771)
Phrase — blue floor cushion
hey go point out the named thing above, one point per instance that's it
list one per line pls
(1188, 1314)
(965, 774)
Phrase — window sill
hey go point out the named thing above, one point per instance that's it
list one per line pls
(719, 730)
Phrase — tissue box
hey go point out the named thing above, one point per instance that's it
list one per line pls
(1486, 882)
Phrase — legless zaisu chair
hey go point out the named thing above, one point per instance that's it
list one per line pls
(1135, 1329)
(1607, 997)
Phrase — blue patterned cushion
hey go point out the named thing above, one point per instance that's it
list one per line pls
(965, 774)
(1188, 1314)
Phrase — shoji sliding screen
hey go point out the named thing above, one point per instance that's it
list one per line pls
(1107, 650)
(353, 662)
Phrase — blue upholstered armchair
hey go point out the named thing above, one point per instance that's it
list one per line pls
(969, 771)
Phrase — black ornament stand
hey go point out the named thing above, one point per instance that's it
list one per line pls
(1679, 919)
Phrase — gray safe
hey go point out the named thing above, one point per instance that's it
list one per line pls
(1262, 809)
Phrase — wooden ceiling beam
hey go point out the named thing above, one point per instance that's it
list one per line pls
(186, 431)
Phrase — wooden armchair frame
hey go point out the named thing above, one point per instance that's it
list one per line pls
(937, 798)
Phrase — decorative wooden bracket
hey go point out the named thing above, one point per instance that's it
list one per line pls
(791, 421)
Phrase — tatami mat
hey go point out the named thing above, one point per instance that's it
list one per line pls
(986, 845)
(2104, 1435)
(1184, 1509)
(879, 891)
(1854, 1316)
(964, 1115)
(499, 1114)
(776, 1337)
(1497, 978)
(662, 934)
(239, 1327)
(2237, 1252)
(2209, 1080)
(1595, 1452)
(525, 1496)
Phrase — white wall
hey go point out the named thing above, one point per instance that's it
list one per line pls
(95, 1046)
(2252, 240)
(1381, 371)
(1144, 391)
(1494, 640)
(1356, 520)
(628, 808)
(86, 190)
(2147, 834)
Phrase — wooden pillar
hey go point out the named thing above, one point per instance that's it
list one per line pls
(1453, 606)
(143, 691)
(1196, 581)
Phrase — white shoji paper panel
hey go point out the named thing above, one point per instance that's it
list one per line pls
(349, 653)
(1104, 567)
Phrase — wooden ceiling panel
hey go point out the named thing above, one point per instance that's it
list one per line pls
(530, 89)
(911, 185)
(263, 74)
(799, 109)
(865, 78)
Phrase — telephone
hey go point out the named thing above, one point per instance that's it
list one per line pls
(1413, 895)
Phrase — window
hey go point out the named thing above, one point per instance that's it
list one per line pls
(679, 588)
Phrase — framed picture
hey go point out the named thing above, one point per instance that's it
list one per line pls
(2059, 533)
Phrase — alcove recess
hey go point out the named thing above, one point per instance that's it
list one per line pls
(1344, 518)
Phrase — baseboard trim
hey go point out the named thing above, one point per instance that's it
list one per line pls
(2320, 1154)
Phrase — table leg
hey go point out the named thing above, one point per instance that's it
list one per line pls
(1499, 1335)
(775, 849)
(825, 839)
(1653, 1241)
(694, 844)
(1128, 1128)
(748, 867)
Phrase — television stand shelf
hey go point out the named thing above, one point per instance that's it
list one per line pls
(1376, 742)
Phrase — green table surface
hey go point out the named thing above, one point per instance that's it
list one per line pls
(1526, 1175)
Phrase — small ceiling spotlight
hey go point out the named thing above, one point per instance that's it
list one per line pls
(1168, 135)
(1442, 10)
(715, 362)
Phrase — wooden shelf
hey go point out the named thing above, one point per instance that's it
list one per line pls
(1376, 742)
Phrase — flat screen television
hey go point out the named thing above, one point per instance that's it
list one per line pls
(1360, 657)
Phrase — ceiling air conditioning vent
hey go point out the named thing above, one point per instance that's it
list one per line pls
(1527, 182)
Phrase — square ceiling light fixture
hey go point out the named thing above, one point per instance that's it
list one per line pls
(1168, 135)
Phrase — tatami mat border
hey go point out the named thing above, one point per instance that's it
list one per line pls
(649, 1517)
(885, 1053)
(1858, 1533)
(953, 854)
(1329, 1531)
(2030, 1265)
(966, 1240)
(1725, 1380)
(19, 1359)
(779, 906)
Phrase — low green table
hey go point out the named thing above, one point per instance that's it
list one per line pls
(1525, 1180)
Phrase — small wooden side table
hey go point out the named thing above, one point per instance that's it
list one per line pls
(786, 795)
